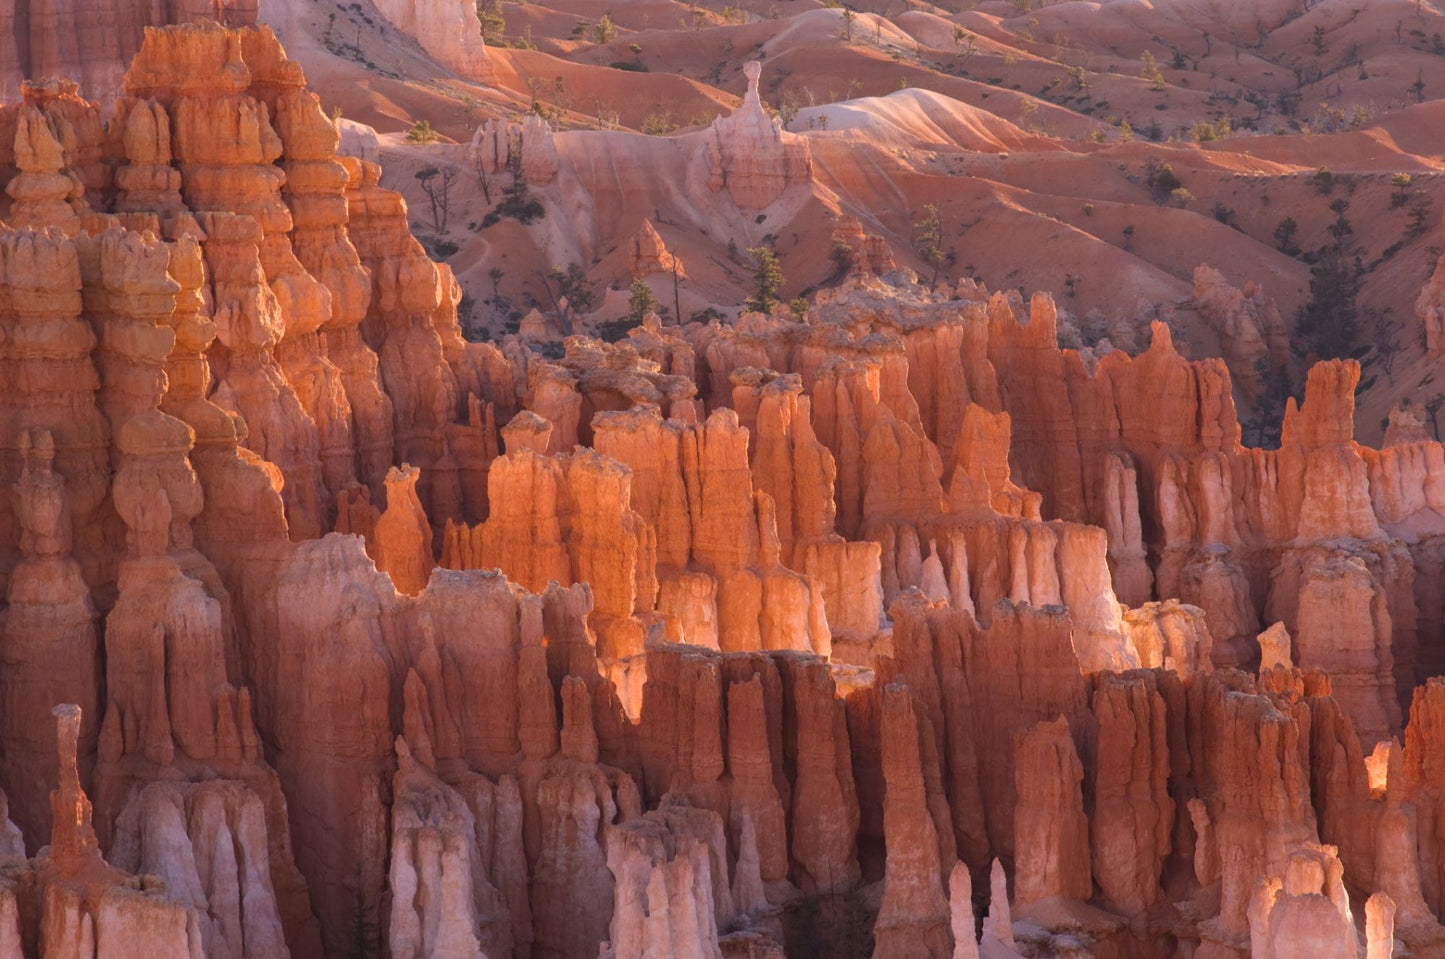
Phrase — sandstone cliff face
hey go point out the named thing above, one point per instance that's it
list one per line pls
(648, 254)
(913, 919)
(666, 864)
(1050, 830)
(1214, 505)
(525, 149)
(1430, 310)
(429, 374)
(449, 31)
(1253, 334)
(1131, 831)
(869, 253)
(42, 39)
(706, 643)
(51, 650)
(75, 900)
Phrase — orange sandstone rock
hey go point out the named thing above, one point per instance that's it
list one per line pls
(50, 647)
(668, 865)
(1130, 829)
(914, 918)
(403, 543)
(1050, 831)
(649, 255)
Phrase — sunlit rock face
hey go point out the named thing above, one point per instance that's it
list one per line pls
(448, 30)
(93, 46)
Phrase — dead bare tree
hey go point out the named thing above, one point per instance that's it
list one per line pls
(1387, 341)
(484, 179)
(438, 186)
(676, 296)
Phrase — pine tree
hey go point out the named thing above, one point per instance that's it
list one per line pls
(641, 301)
(421, 133)
(1152, 73)
(1284, 235)
(928, 236)
(1328, 323)
(767, 280)
(494, 25)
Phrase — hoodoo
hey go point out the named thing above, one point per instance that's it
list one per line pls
(892, 609)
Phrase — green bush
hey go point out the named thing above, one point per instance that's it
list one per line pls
(421, 133)
(524, 212)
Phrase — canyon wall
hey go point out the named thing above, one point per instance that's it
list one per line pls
(328, 632)
(92, 43)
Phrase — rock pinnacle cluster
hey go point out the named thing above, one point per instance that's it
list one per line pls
(893, 628)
